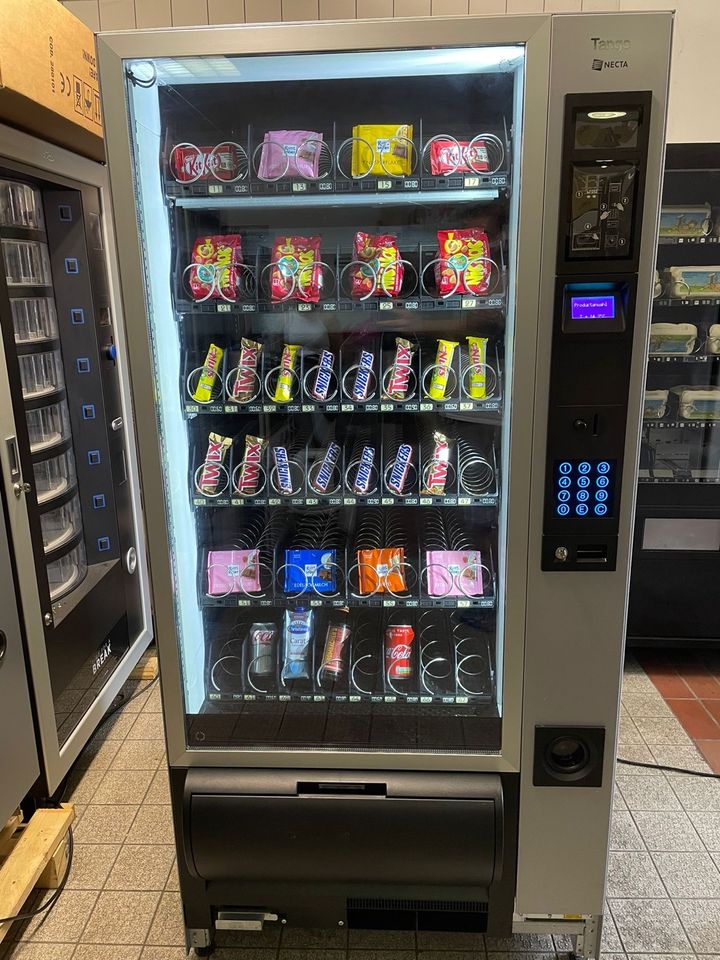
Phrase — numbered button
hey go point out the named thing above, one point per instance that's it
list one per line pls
(564, 496)
(602, 482)
(563, 509)
(601, 495)
(583, 481)
(564, 481)
(603, 467)
(584, 466)
(582, 496)
(565, 467)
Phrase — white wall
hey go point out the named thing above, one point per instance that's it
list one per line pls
(695, 95)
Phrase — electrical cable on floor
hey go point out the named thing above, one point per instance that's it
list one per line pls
(660, 766)
(52, 900)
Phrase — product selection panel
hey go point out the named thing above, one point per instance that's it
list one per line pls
(603, 170)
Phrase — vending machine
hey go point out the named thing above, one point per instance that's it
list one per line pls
(387, 285)
(67, 455)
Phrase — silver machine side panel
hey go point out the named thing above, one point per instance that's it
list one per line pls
(575, 630)
(18, 751)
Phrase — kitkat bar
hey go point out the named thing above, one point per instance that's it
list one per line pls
(297, 273)
(189, 163)
(217, 261)
(448, 156)
(462, 265)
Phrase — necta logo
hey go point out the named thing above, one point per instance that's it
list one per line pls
(616, 47)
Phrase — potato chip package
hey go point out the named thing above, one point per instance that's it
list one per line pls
(463, 262)
(297, 273)
(382, 150)
(217, 272)
(383, 275)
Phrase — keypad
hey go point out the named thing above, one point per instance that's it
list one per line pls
(583, 488)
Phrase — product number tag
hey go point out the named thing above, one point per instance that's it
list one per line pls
(299, 188)
(386, 305)
(387, 501)
(347, 407)
(304, 307)
(385, 407)
(469, 303)
(466, 405)
(463, 603)
(388, 603)
(384, 184)
(472, 182)
(426, 406)
(223, 308)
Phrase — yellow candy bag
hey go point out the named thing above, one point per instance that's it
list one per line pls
(391, 154)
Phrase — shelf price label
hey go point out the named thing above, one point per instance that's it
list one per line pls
(388, 603)
(347, 407)
(386, 305)
(304, 307)
(466, 405)
(463, 603)
(469, 303)
(299, 187)
(464, 501)
(426, 406)
(471, 182)
(388, 501)
(385, 407)
(384, 184)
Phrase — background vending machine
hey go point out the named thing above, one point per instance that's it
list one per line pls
(677, 529)
(67, 448)
(388, 285)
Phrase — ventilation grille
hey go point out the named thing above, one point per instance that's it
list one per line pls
(444, 906)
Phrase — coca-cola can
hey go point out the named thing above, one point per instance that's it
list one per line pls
(398, 650)
(262, 648)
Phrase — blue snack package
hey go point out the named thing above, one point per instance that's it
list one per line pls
(310, 570)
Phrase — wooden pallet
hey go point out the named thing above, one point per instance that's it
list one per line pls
(145, 670)
(32, 855)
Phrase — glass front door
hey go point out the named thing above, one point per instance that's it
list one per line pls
(330, 248)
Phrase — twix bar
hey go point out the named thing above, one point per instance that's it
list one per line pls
(244, 389)
(400, 371)
(212, 467)
(247, 481)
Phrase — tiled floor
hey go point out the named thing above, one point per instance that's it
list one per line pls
(690, 685)
(122, 900)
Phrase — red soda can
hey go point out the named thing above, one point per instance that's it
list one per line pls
(398, 648)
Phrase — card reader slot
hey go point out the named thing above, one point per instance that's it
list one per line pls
(591, 553)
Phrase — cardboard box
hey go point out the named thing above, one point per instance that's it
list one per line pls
(48, 75)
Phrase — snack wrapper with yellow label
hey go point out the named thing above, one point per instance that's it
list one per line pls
(382, 150)
(297, 274)
(209, 377)
(217, 261)
(384, 275)
(441, 370)
(463, 262)
(286, 375)
(476, 379)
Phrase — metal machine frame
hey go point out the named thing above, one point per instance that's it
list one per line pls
(56, 164)
(559, 630)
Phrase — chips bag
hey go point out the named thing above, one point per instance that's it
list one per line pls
(217, 274)
(461, 250)
(381, 253)
(391, 154)
(297, 274)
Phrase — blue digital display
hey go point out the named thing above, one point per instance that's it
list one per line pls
(592, 308)
(583, 488)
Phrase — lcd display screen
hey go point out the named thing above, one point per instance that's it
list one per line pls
(592, 308)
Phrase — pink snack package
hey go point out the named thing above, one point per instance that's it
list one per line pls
(233, 571)
(454, 573)
(289, 154)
